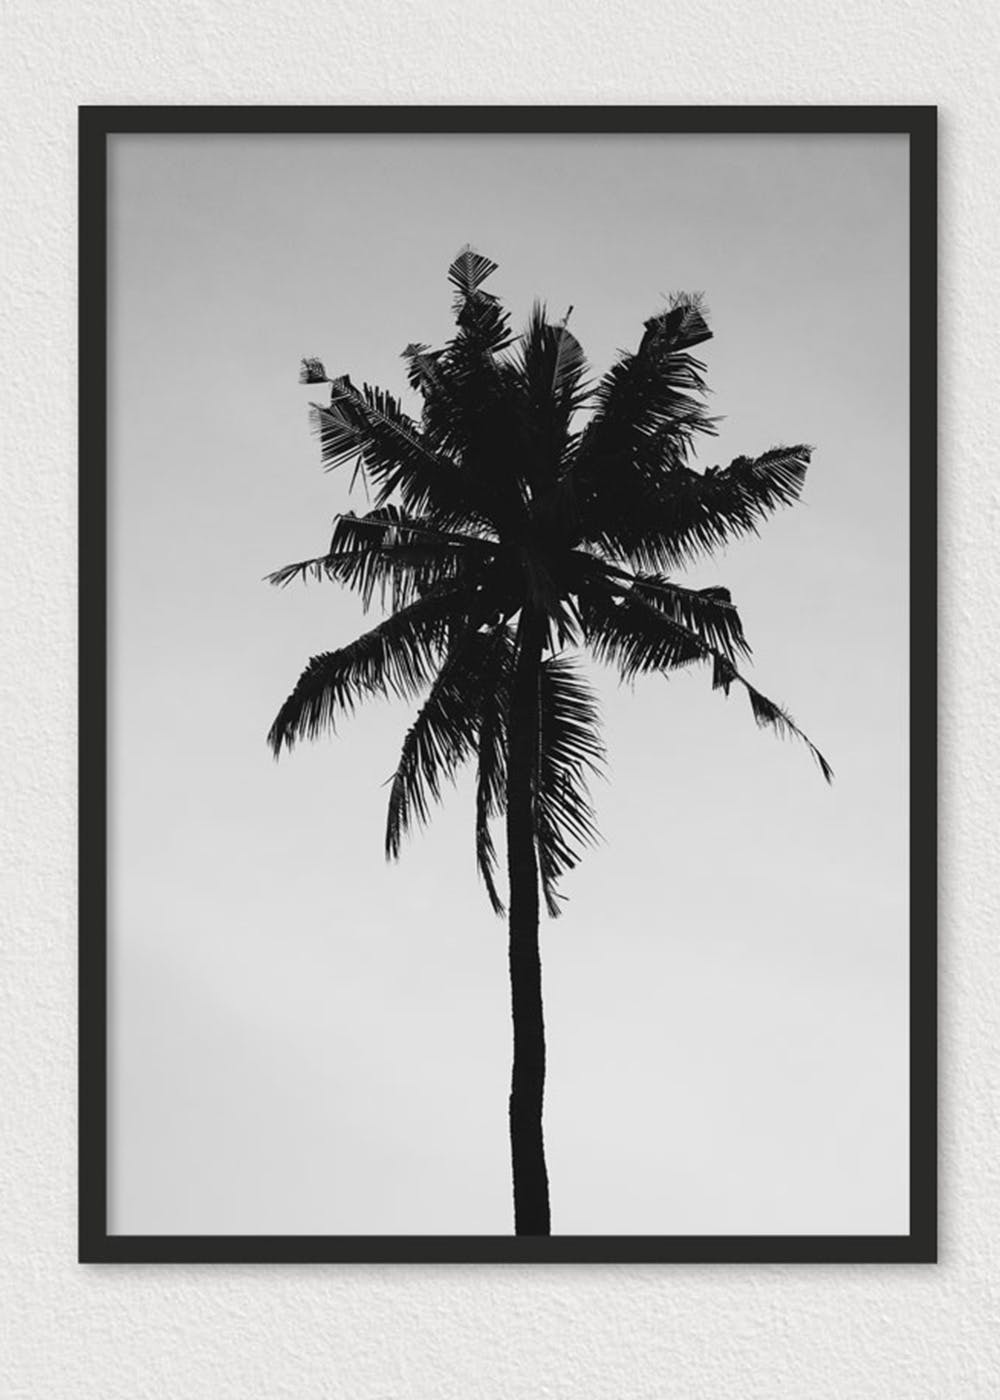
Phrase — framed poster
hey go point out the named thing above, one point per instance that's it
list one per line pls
(603, 397)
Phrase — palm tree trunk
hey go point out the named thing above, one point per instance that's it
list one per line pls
(531, 1182)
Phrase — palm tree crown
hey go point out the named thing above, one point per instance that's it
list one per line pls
(503, 535)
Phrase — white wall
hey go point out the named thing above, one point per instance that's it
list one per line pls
(462, 1332)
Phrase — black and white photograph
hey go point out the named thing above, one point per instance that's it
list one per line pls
(508, 779)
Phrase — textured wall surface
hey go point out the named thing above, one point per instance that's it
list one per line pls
(437, 1332)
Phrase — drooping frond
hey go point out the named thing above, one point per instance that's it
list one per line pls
(639, 636)
(767, 713)
(707, 612)
(628, 631)
(397, 657)
(440, 739)
(569, 750)
(444, 733)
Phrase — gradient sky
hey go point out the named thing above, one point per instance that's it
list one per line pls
(304, 1040)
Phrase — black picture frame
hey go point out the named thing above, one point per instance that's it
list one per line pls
(96, 1244)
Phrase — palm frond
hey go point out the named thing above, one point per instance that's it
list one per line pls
(396, 557)
(688, 319)
(397, 657)
(707, 612)
(471, 413)
(422, 371)
(472, 416)
(391, 524)
(312, 372)
(394, 574)
(368, 423)
(389, 555)
(687, 515)
(370, 427)
(443, 735)
(549, 367)
(767, 713)
(649, 407)
(569, 750)
(551, 364)
(482, 321)
(630, 631)
(658, 388)
(468, 271)
(440, 739)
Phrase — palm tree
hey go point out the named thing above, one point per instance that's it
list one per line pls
(502, 536)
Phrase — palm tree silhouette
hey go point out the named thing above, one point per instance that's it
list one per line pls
(501, 538)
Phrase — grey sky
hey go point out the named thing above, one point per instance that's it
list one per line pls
(726, 993)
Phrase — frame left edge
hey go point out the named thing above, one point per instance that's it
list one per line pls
(92, 686)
